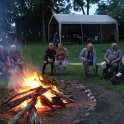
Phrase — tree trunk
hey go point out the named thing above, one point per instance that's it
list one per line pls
(83, 10)
(88, 6)
(43, 28)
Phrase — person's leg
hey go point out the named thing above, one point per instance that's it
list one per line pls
(44, 67)
(118, 75)
(64, 65)
(86, 68)
(57, 66)
(52, 68)
(114, 68)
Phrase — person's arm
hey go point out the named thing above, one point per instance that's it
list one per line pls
(119, 57)
(82, 55)
(94, 59)
(106, 56)
(65, 54)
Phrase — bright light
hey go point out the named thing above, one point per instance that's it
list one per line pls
(13, 24)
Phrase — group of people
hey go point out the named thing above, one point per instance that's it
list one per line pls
(113, 64)
(9, 60)
(57, 59)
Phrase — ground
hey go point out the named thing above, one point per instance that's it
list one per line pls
(110, 100)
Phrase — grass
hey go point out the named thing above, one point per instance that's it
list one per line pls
(33, 53)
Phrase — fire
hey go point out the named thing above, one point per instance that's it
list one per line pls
(33, 80)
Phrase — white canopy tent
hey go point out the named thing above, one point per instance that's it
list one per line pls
(82, 20)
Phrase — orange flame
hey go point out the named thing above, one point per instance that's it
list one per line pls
(33, 80)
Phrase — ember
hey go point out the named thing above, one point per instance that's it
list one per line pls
(32, 95)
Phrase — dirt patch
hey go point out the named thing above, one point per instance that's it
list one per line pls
(109, 106)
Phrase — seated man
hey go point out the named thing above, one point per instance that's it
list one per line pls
(88, 57)
(49, 58)
(119, 74)
(112, 58)
(61, 59)
(15, 57)
(4, 61)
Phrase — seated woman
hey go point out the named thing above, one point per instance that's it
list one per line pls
(15, 57)
(61, 59)
(4, 61)
(119, 74)
(112, 58)
(49, 58)
(88, 57)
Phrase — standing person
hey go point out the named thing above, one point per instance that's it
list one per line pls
(15, 57)
(4, 61)
(88, 57)
(61, 59)
(49, 58)
(114, 79)
(112, 58)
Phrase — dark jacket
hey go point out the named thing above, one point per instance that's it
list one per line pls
(50, 54)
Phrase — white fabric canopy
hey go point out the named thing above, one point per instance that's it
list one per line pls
(84, 19)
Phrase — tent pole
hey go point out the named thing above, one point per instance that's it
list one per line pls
(82, 33)
(101, 32)
(60, 26)
(117, 33)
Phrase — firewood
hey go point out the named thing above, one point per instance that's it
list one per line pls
(57, 101)
(10, 105)
(45, 101)
(62, 96)
(34, 116)
(18, 94)
(16, 118)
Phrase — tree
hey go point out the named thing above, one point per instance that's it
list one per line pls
(81, 4)
(25, 13)
(114, 8)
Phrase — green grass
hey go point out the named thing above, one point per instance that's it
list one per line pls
(33, 53)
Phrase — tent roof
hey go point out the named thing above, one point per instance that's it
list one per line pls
(83, 19)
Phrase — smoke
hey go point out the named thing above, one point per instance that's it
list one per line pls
(15, 79)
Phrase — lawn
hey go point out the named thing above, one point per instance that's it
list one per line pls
(33, 55)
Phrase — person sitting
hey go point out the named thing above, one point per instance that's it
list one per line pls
(61, 59)
(15, 57)
(4, 61)
(112, 58)
(114, 79)
(88, 57)
(49, 58)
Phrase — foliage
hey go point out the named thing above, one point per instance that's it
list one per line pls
(81, 4)
(114, 8)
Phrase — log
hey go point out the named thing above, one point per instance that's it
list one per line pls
(57, 101)
(16, 118)
(62, 96)
(34, 116)
(45, 101)
(18, 94)
(10, 105)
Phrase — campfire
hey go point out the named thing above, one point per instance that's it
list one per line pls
(32, 95)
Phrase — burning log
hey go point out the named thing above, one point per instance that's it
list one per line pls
(18, 94)
(34, 116)
(10, 105)
(62, 96)
(15, 119)
(45, 101)
(58, 101)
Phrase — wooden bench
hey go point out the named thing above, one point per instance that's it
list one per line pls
(80, 64)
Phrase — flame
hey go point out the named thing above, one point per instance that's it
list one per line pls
(33, 80)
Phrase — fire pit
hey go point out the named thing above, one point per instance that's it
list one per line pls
(36, 100)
